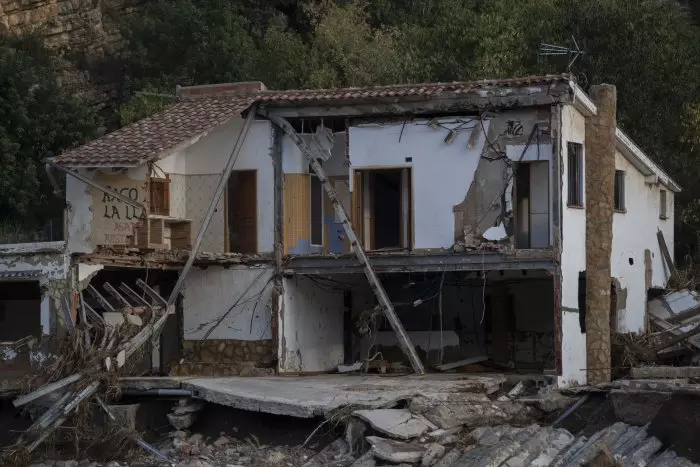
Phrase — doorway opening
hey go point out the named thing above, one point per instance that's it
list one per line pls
(382, 208)
(242, 212)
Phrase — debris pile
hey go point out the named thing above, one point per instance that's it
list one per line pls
(88, 364)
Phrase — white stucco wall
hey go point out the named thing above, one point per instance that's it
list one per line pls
(209, 293)
(441, 173)
(634, 231)
(310, 327)
(573, 259)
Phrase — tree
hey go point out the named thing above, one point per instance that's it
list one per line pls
(38, 119)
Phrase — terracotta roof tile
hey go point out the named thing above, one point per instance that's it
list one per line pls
(190, 118)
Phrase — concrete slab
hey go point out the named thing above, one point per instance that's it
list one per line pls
(152, 382)
(396, 423)
(312, 396)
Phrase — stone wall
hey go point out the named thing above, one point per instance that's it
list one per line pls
(83, 31)
(227, 357)
(600, 173)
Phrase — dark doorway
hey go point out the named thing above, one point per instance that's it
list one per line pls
(386, 206)
(20, 310)
(242, 212)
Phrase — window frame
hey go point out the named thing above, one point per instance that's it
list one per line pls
(619, 193)
(152, 207)
(663, 205)
(574, 153)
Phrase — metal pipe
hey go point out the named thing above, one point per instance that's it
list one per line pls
(156, 392)
(571, 410)
(84, 179)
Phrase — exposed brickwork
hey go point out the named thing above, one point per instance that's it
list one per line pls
(600, 173)
(219, 357)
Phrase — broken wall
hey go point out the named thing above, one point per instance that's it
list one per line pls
(311, 326)
(460, 180)
(47, 264)
(634, 240)
(573, 258)
(296, 210)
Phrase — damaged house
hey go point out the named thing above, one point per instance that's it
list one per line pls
(426, 224)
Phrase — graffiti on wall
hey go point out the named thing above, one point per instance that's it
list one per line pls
(113, 220)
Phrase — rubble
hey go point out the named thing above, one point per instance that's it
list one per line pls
(396, 423)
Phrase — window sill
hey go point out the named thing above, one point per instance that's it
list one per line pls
(663, 218)
(575, 206)
(620, 211)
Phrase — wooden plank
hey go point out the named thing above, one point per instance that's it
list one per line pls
(465, 362)
(667, 256)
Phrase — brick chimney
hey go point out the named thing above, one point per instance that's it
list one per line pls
(600, 182)
(243, 87)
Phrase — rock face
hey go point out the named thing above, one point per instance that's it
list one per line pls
(87, 28)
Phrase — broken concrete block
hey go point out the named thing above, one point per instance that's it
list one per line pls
(455, 409)
(432, 454)
(395, 451)
(184, 406)
(397, 423)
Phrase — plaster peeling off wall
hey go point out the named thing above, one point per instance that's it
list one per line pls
(454, 186)
(573, 259)
(311, 327)
(95, 218)
(634, 232)
(210, 293)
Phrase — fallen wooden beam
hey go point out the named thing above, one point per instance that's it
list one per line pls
(460, 363)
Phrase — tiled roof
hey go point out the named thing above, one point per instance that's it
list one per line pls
(155, 136)
(191, 118)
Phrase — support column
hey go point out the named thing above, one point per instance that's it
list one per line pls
(600, 176)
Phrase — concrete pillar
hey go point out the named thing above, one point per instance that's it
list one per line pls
(600, 176)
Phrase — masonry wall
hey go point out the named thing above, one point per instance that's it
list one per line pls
(573, 259)
(310, 326)
(635, 247)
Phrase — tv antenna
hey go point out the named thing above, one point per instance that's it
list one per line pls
(552, 50)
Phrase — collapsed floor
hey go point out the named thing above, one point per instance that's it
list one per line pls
(502, 424)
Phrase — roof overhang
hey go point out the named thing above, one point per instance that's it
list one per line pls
(624, 143)
(642, 162)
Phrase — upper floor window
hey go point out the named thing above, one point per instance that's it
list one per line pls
(663, 214)
(575, 174)
(159, 191)
(620, 191)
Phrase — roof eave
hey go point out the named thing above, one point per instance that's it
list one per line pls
(642, 162)
(582, 102)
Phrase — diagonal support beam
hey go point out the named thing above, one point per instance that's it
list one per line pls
(212, 206)
(313, 153)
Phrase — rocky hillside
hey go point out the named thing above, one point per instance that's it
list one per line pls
(85, 33)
